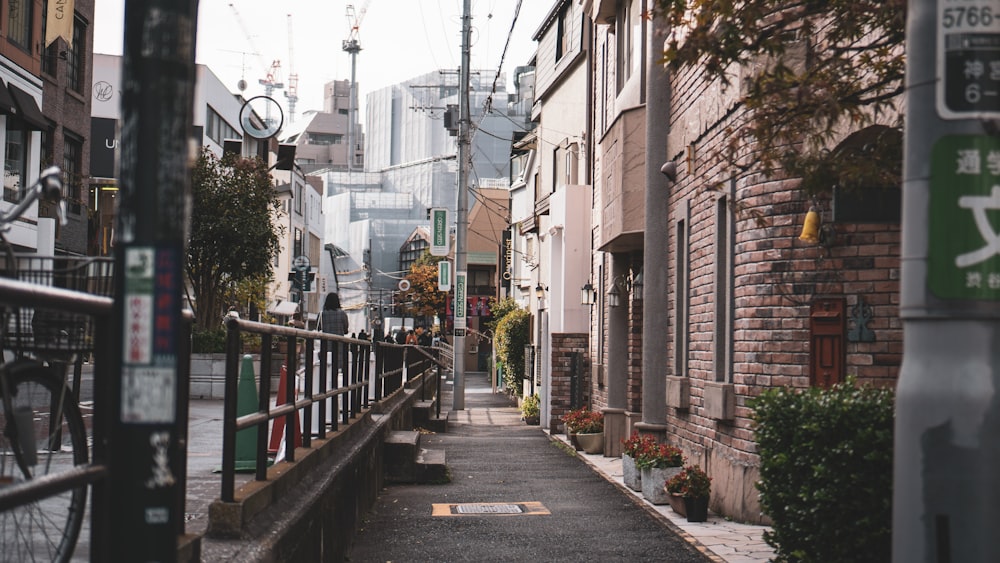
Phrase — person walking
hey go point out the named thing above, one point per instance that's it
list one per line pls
(334, 321)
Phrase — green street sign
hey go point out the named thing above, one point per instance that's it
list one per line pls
(963, 257)
(444, 275)
(460, 300)
(439, 232)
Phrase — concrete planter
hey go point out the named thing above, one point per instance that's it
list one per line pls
(591, 443)
(632, 475)
(653, 481)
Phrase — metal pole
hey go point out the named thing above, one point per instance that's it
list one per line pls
(462, 220)
(158, 78)
(946, 495)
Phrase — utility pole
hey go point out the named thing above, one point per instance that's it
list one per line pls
(462, 219)
(946, 494)
(146, 379)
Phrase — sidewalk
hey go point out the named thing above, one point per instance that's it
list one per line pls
(727, 541)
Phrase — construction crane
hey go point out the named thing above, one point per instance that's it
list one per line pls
(352, 45)
(272, 73)
(292, 93)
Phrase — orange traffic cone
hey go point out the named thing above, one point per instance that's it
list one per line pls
(278, 426)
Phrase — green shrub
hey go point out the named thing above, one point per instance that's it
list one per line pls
(212, 341)
(826, 472)
(512, 335)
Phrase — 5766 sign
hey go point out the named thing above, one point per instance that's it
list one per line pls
(968, 59)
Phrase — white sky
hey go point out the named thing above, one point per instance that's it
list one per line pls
(400, 39)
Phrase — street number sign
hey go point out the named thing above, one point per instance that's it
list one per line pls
(968, 59)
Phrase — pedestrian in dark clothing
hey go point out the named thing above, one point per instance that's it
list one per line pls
(334, 321)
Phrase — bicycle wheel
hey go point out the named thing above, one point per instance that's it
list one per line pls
(36, 441)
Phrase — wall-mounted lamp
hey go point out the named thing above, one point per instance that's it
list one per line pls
(614, 296)
(587, 294)
(540, 291)
(813, 229)
(631, 284)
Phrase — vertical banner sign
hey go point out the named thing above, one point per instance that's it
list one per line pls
(460, 303)
(439, 232)
(968, 59)
(963, 259)
(506, 262)
(444, 275)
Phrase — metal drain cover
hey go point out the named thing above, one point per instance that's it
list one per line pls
(489, 509)
(531, 508)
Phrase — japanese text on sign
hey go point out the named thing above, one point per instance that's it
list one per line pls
(968, 58)
(964, 243)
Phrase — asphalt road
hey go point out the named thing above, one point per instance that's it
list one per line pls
(494, 458)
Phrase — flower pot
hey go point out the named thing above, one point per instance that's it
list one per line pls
(574, 442)
(532, 420)
(631, 474)
(677, 504)
(591, 443)
(697, 509)
(653, 480)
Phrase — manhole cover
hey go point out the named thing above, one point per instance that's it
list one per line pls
(489, 509)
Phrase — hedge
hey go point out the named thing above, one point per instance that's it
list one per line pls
(826, 472)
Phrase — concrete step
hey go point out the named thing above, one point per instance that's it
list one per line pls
(401, 450)
(422, 412)
(437, 424)
(431, 467)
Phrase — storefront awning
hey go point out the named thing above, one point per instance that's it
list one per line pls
(7, 102)
(285, 308)
(28, 109)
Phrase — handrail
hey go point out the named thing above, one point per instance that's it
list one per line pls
(347, 386)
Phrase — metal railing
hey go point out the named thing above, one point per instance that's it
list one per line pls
(339, 382)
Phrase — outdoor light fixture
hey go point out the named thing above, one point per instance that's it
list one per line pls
(814, 231)
(810, 229)
(614, 296)
(631, 284)
(587, 294)
(540, 291)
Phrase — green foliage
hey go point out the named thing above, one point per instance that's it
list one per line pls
(499, 310)
(513, 333)
(530, 406)
(806, 73)
(211, 341)
(826, 472)
(234, 236)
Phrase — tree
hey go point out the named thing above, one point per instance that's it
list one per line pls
(808, 73)
(234, 237)
(424, 299)
(513, 333)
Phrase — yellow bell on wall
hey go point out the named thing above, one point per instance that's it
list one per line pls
(810, 229)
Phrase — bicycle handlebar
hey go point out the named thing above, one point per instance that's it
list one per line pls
(48, 186)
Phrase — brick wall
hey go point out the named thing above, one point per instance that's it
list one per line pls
(564, 346)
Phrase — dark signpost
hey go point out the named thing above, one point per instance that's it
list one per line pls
(144, 444)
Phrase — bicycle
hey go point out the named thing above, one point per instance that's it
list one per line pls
(42, 429)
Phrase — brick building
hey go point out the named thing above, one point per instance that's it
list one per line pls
(748, 304)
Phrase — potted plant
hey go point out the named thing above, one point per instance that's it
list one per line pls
(573, 420)
(657, 464)
(630, 471)
(590, 432)
(530, 410)
(694, 486)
